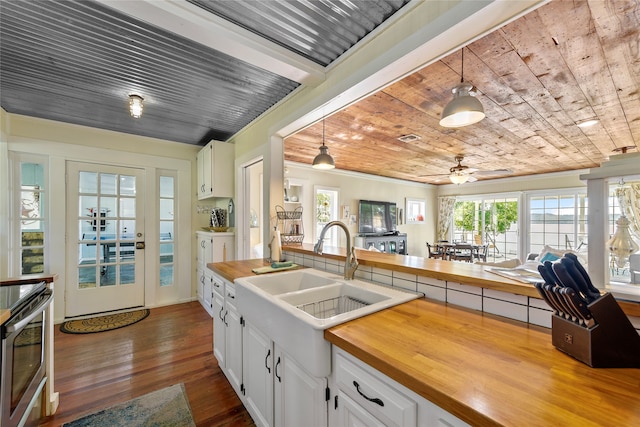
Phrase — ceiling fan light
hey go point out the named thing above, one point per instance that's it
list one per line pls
(135, 106)
(459, 177)
(463, 110)
(323, 160)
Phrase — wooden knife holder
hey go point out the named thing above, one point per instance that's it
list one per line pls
(612, 343)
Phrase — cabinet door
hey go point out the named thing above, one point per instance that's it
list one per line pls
(350, 414)
(233, 343)
(257, 369)
(221, 171)
(219, 329)
(299, 398)
(200, 284)
(205, 248)
(207, 291)
(204, 165)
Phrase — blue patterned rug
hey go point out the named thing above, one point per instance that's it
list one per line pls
(168, 407)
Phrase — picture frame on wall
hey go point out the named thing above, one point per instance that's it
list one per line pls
(415, 210)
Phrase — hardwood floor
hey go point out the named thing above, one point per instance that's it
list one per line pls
(173, 345)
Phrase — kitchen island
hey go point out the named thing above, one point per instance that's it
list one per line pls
(484, 369)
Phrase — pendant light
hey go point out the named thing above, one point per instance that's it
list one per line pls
(464, 109)
(324, 159)
(622, 244)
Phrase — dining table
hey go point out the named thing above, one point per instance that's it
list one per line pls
(461, 251)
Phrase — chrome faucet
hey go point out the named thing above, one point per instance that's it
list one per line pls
(350, 262)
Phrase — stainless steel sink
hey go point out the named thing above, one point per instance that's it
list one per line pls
(294, 308)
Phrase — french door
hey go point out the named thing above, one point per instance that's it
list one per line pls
(105, 238)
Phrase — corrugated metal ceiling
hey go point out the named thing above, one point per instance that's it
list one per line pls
(320, 30)
(77, 61)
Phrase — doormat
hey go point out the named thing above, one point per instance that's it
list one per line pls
(166, 407)
(103, 323)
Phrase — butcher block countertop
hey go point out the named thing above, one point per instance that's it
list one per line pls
(484, 369)
(489, 371)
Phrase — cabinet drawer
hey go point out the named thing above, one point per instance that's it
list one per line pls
(376, 396)
(217, 285)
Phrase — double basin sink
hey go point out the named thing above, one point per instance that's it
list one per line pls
(294, 308)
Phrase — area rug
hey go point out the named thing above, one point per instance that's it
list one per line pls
(168, 407)
(103, 323)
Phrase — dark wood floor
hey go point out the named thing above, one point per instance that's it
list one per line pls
(172, 345)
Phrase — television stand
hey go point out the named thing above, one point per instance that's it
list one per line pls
(390, 243)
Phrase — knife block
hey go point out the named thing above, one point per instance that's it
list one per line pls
(612, 342)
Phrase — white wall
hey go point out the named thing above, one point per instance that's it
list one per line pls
(62, 142)
(354, 187)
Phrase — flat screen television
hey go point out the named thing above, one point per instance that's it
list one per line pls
(376, 218)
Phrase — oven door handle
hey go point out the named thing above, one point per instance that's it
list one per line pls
(24, 322)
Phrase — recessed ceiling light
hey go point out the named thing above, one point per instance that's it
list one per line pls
(587, 123)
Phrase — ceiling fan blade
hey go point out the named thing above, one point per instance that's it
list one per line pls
(495, 172)
(472, 179)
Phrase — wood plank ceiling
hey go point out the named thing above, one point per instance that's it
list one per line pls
(537, 78)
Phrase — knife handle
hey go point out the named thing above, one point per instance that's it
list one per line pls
(579, 306)
(565, 278)
(571, 264)
(543, 293)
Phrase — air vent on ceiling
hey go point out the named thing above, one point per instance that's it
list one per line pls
(409, 138)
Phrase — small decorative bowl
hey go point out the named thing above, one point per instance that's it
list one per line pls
(218, 229)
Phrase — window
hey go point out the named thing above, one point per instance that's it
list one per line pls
(326, 210)
(558, 220)
(167, 227)
(415, 211)
(31, 205)
(488, 220)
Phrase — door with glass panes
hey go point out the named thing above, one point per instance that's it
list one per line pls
(105, 242)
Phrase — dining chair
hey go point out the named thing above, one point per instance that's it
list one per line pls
(481, 252)
(436, 252)
(462, 252)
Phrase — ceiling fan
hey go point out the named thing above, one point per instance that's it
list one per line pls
(459, 174)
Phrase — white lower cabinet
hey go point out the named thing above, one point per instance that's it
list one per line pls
(257, 375)
(299, 398)
(371, 394)
(276, 390)
(351, 414)
(364, 396)
(227, 331)
(219, 327)
(233, 340)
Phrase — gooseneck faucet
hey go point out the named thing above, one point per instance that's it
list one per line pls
(350, 262)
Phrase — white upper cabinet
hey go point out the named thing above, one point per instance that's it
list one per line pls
(215, 170)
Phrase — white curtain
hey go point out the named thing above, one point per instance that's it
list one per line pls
(445, 213)
(629, 199)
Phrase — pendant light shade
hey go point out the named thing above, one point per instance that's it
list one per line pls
(622, 244)
(324, 159)
(464, 109)
(459, 177)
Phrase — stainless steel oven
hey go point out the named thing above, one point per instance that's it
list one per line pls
(22, 375)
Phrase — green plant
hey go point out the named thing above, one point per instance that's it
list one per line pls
(490, 218)
(322, 208)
